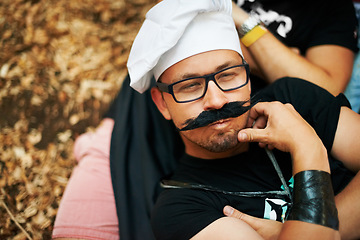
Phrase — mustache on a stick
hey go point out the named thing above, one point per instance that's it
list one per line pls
(229, 110)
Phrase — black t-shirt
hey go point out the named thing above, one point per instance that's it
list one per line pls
(181, 213)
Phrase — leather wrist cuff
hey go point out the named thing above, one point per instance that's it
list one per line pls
(314, 200)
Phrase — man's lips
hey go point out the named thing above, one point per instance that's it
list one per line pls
(220, 124)
(220, 121)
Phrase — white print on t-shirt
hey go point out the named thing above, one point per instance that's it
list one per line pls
(275, 209)
(270, 16)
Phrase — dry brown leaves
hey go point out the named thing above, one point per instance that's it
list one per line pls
(61, 64)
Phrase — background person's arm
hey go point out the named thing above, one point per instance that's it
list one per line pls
(328, 66)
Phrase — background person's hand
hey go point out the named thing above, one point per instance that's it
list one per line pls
(268, 229)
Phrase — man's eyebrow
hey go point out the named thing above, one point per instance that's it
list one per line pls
(218, 68)
(225, 65)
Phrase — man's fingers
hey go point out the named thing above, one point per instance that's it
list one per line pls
(252, 135)
(268, 229)
(232, 212)
(260, 123)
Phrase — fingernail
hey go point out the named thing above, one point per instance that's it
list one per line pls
(228, 210)
(242, 136)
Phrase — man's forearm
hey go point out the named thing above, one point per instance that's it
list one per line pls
(347, 203)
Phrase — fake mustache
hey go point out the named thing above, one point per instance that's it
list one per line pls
(229, 110)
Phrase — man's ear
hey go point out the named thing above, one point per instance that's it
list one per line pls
(158, 99)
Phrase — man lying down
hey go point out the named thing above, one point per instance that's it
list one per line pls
(193, 51)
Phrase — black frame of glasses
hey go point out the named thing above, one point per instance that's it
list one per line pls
(168, 88)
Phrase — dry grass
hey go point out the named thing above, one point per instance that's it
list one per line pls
(61, 64)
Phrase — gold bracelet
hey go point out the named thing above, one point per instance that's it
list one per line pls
(254, 34)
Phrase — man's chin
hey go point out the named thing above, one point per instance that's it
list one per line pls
(222, 142)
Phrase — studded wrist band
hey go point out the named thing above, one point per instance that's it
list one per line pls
(249, 24)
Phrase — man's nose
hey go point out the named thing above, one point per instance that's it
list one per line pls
(214, 97)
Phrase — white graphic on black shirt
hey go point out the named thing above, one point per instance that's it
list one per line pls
(275, 209)
(269, 16)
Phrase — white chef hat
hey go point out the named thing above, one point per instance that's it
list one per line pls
(177, 29)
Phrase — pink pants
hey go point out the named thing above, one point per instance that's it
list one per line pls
(87, 209)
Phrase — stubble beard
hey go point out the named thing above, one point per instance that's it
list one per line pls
(217, 143)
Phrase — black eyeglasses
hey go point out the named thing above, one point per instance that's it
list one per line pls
(194, 88)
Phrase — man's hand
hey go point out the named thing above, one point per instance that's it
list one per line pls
(278, 125)
(268, 229)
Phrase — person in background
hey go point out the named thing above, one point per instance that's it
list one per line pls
(312, 40)
(353, 89)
